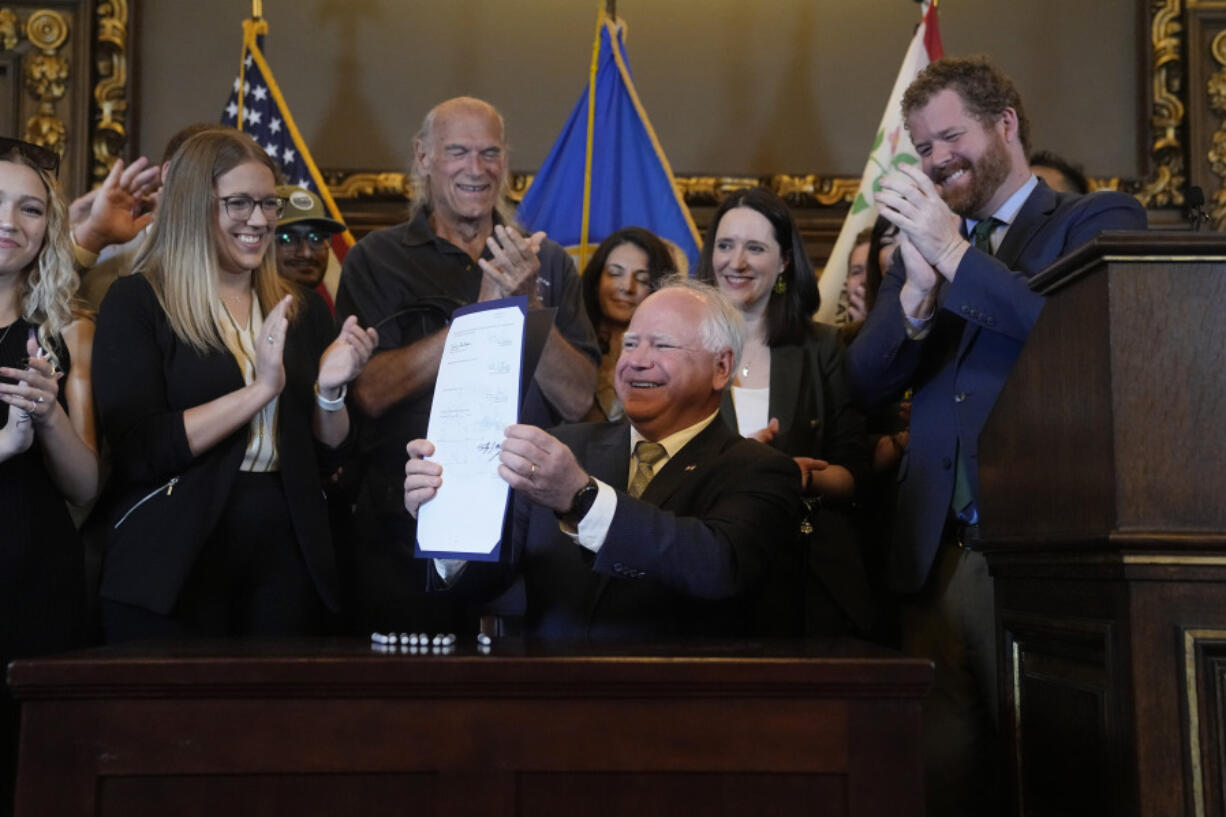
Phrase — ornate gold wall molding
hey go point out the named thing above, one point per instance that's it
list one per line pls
(108, 132)
(45, 76)
(1166, 133)
(805, 191)
(1165, 186)
(1216, 89)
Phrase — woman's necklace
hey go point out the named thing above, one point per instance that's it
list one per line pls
(747, 366)
(8, 329)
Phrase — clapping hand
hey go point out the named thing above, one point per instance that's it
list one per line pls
(112, 213)
(344, 359)
(910, 200)
(765, 435)
(270, 348)
(514, 266)
(38, 385)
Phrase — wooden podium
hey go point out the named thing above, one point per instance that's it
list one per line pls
(1103, 489)
(329, 728)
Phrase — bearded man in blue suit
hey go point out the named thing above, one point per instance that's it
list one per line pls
(950, 320)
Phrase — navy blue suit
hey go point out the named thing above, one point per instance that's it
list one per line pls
(959, 368)
(685, 559)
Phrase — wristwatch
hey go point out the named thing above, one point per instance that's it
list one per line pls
(580, 505)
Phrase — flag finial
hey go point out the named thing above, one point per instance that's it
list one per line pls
(257, 9)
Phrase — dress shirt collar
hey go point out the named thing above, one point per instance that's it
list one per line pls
(1007, 211)
(676, 441)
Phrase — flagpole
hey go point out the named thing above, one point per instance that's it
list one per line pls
(585, 219)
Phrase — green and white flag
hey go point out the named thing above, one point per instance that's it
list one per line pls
(891, 147)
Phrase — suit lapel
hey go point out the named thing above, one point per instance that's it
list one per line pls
(607, 455)
(690, 461)
(787, 363)
(1033, 215)
(693, 457)
(1028, 221)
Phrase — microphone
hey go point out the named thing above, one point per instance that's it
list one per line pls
(1194, 210)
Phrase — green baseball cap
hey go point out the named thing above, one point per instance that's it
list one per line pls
(304, 207)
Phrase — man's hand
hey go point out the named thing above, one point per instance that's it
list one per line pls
(919, 290)
(513, 268)
(910, 200)
(540, 466)
(114, 209)
(422, 478)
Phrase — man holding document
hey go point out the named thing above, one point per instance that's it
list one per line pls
(666, 526)
(458, 248)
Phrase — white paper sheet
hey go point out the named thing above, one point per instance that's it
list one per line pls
(475, 398)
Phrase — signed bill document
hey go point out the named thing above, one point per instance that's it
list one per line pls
(477, 395)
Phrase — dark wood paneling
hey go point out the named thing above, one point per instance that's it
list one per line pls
(726, 728)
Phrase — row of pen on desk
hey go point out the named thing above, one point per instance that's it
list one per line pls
(422, 643)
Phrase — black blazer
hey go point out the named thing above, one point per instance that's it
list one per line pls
(810, 397)
(164, 503)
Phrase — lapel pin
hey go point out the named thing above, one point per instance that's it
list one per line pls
(690, 467)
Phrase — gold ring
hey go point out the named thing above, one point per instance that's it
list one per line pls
(532, 473)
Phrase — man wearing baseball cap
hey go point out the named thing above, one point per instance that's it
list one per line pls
(302, 239)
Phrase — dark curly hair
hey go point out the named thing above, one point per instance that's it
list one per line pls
(660, 265)
(985, 90)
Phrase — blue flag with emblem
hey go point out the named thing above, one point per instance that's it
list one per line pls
(257, 107)
(607, 170)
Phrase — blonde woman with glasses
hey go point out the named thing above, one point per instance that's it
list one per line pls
(221, 392)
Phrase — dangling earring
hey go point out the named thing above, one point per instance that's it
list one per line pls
(781, 284)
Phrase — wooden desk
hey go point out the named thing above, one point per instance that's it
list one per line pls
(335, 727)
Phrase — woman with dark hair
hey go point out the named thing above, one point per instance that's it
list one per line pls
(48, 455)
(790, 391)
(882, 244)
(871, 257)
(626, 268)
(219, 387)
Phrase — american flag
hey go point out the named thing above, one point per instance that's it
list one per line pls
(257, 107)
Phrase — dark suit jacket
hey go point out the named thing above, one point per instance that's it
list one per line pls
(144, 378)
(958, 370)
(687, 558)
(810, 397)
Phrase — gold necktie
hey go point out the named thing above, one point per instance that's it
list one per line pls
(647, 454)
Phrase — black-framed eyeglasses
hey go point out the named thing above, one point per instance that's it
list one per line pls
(37, 155)
(314, 240)
(241, 206)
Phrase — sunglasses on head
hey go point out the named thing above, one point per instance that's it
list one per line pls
(37, 155)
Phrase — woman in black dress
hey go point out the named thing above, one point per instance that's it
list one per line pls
(47, 450)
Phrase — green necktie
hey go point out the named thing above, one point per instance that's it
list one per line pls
(964, 497)
(647, 454)
(981, 236)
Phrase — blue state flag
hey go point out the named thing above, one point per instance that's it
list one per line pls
(607, 170)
